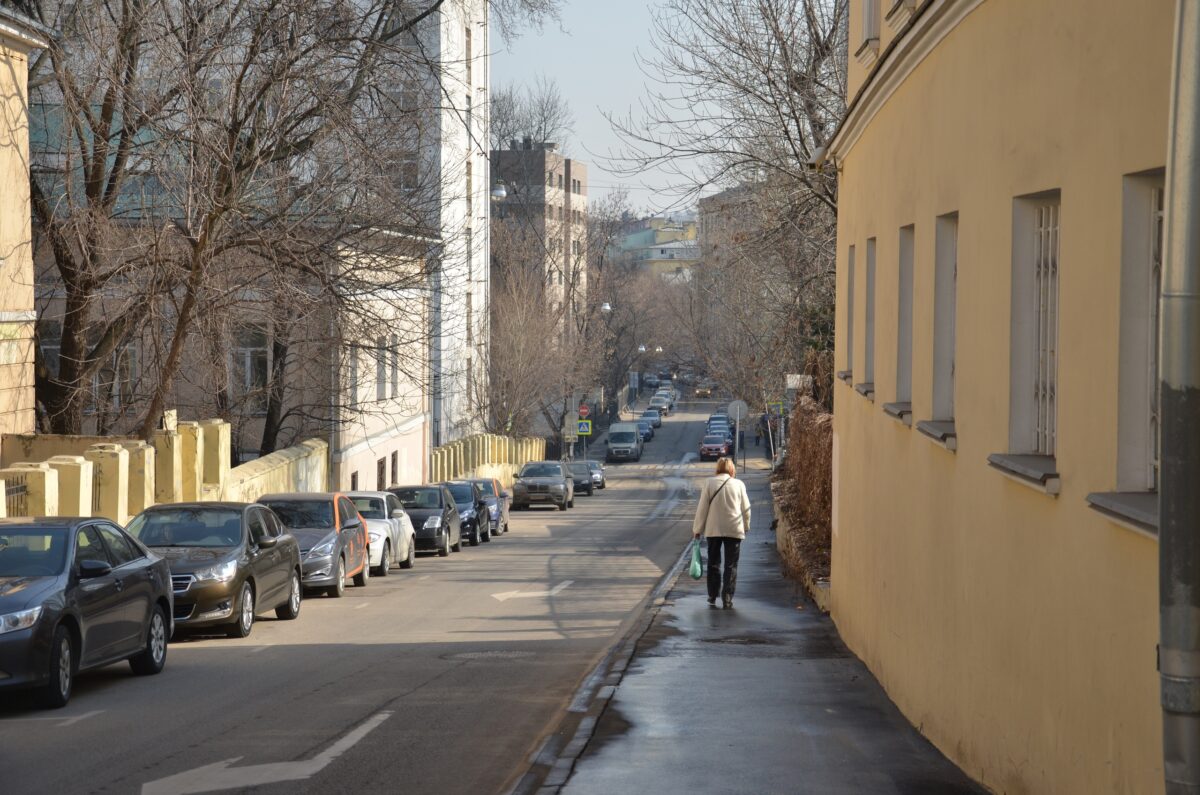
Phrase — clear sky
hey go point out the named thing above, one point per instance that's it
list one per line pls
(592, 58)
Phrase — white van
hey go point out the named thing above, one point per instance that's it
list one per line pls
(624, 442)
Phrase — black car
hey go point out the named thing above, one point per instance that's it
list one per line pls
(581, 473)
(77, 594)
(229, 561)
(434, 516)
(472, 510)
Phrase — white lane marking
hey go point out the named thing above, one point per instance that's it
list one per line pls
(360, 607)
(423, 577)
(58, 720)
(257, 649)
(220, 776)
(555, 591)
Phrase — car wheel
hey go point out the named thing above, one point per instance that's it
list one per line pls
(364, 574)
(571, 502)
(339, 582)
(289, 610)
(151, 659)
(57, 691)
(506, 528)
(475, 538)
(457, 547)
(407, 563)
(444, 552)
(562, 506)
(486, 535)
(385, 562)
(245, 622)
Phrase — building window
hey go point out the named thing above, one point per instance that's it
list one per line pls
(1141, 290)
(394, 354)
(381, 474)
(467, 56)
(549, 179)
(850, 310)
(904, 318)
(869, 341)
(381, 373)
(1033, 426)
(354, 481)
(870, 28)
(407, 173)
(470, 314)
(249, 368)
(470, 188)
(353, 375)
(114, 384)
(560, 181)
(395, 467)
(945, 299)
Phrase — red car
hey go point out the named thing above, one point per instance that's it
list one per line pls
(714, 447)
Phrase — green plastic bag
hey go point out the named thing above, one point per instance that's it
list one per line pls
(697, 567)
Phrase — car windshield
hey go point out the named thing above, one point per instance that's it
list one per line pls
(643, 425)
(463, 493)
(370, 507)
(486, 487)
(543, 470)
(714, 440)
(581, 469)
(649, 413)
(419, 497)
(32, 551)
(304, 513)
(621, 437)
(595, 466)
(188, 527)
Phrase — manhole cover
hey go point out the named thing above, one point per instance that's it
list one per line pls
(489, 655)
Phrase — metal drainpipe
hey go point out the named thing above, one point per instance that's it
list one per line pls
(1179, 497)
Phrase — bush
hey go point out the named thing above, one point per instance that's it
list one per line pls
(804, 488)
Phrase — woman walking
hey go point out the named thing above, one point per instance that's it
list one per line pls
(723, 517)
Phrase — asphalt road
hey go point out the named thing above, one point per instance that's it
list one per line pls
(424, 681)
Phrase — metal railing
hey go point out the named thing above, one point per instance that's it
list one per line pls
(16, 496)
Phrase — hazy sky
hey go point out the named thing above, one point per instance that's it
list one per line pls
(592, 59)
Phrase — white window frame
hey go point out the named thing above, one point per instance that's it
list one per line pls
(850, 310)
(1034, 385)
(904, 314)
(868, 376)
(945, 315)
(241, 369)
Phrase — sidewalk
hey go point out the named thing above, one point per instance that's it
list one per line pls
(763, 698)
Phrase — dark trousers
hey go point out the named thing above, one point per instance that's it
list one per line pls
(733, 550)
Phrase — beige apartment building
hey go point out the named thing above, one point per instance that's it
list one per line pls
(995, 556)
(18, 37)
(542, 223)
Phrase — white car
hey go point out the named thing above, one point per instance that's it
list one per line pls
(390, 532)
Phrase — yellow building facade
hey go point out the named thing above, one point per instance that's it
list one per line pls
(18, 37)
(994, 558)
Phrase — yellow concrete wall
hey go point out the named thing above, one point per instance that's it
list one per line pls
(304, 467)
(1016, 629)
(16, 447)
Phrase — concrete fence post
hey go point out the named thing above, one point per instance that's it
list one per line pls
(110, 481)
(191, 456)
(74, 484)
(141, 475)
(168, 466)
(217, 450)
(41, 486)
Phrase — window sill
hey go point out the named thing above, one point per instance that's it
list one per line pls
(941, 431)
(1036, 471)
(868, 52)
(866, 389)
(845, 376)
(901, 412)
(1135, 510)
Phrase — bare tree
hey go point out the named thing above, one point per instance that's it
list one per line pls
(539, 113)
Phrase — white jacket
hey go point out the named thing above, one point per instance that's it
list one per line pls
(724, 508)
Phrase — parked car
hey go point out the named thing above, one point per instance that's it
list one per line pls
(652, 381)
(332, 538)
(667, 395)
(624, 443)
(653, 416)
(714, 446)
(434, 515)
(390, 532)
(77, 594)
(544, 482)
(472, 511)
(229, 561)
(598, 475)
(661, 404)
(645, 430)
(498, 500)
(581, 473)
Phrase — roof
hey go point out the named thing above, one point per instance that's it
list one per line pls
(22, 30)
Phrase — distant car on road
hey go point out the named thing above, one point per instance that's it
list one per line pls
(472, 511)
(229, 561)
(389, 530)
(703, 391)
(714, 446)
(544, 482)
(433, 513)
(332, 538)
(598, 478)
(498, 501)
(77, 594)
(582, 475)
(662, 404)
(669, 396)
(653, 416)
(645, 430)
(624, 443)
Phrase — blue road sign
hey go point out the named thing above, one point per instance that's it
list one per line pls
(585, 428)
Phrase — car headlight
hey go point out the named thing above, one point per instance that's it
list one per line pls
(558, 487)
(467, 515)
(22, 619)
(222, 572)
(433, 523)
(493, 510)
(374, 537)
(518, 486)
(321, 550)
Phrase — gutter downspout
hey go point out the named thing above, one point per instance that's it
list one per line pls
(1179, 350)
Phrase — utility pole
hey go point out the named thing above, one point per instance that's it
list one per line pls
(1179, 430)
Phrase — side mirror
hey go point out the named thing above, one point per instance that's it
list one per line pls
(266, 542)
(90, 569)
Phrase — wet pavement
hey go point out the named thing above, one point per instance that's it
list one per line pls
(762, 698)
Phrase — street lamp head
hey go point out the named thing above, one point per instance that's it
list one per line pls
(641, 349)
(606, 307)
(658, 349)
(499, 191)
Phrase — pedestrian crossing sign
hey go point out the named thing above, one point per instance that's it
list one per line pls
(585, 428)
